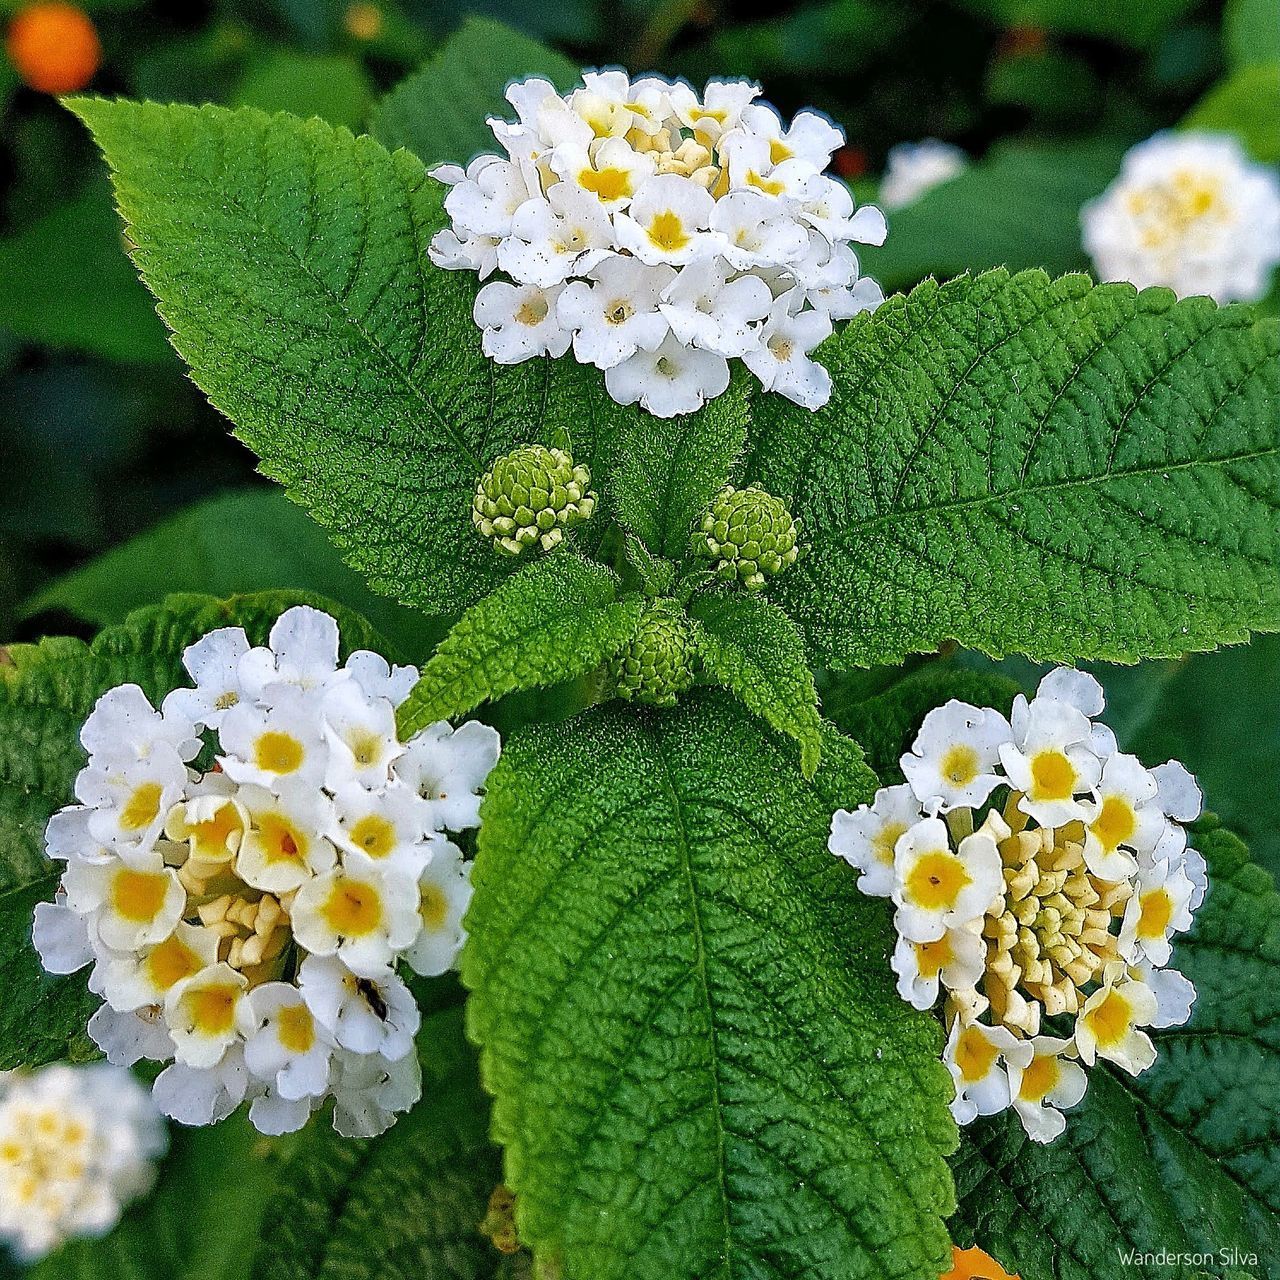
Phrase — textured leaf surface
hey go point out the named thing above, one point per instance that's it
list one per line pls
(404, 1206)
(1052, 468)
(1185, 1157)
(199, 1223)
(46, 693)
(686, 1014)
(251, 540)
(663, 474)
(290, 260)
(440, 111)
(555, 619)
(1017, 207)
(752, 648)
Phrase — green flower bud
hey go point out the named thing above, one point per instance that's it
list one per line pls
(750, 534)
(531, 495)
(656, 665)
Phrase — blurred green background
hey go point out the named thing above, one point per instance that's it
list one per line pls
(120, 483)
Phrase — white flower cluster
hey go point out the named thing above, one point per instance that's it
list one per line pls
(913, 169)
(77, 1144)
(660, 234)
(1191, 212)
(1037, 872)
(245, 918)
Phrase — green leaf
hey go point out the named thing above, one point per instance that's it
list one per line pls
(235, 543)
(1186, 1157)
(555, 619)
(1219, 713)
(440, 111)
(46, 693)
(754, 650)
(329, 85)
(1247, 104)
(1045, 467)
(1252, 32)
(686, 1013)
(404, 1206)
(67, 284)
(290, 260)
(663, 473)
(1018, 207)
(199, 1223)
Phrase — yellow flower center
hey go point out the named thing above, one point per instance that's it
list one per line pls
(933, 957)
(960, 764)
(1053, 776)
(936, 880)
(1109, 1020)
(532, 311)
(296, 1028)
(607, 184)
(1115, 823)
(354, 909)
(975, 1055)
(170, 962)
(277, 752)
(141, 808)
(212, 1009)
(281, 840)
(217, 837)
(434, 908)
(1155, 913)
(374, 835)
(770, 186)
(779, 151)
(885, 839)
(667, 231)
(1039, 1077)
(138, 895)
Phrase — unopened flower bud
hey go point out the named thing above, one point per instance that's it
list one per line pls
(656, 665)
(750, 534)
(529, 496)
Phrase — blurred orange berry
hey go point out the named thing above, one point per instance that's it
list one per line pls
(54, 46)
(363, 20)
(851, 161)
(1022, 42)
(973, 1264)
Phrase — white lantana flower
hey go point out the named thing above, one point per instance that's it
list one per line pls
(77, 1145)
(669, 380)
(955, 758)
(615, 311)
(245, 925)
(915, 168)
(1037, 873)
(867, 838)
(654, 174)
(519, 321)
(1191, 212)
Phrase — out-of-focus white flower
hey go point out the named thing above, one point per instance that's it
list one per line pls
(245, 925)
(1037, 873)
(654, 174)
(77, 1145)
(915, 168)
(1191, 212)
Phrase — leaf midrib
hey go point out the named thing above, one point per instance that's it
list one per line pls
(228, 199)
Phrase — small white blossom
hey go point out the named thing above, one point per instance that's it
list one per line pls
(444, 893)
(1109, 1022)
(937, 888)
(955, 759)
(706, 309)
(614, 312)
(519, 322)
(670, 380)
(1191, 212)
(866, 838)
(915, 168)
(77, 1145)
(1045, 1087)
(979, 1058)
(781, 361)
